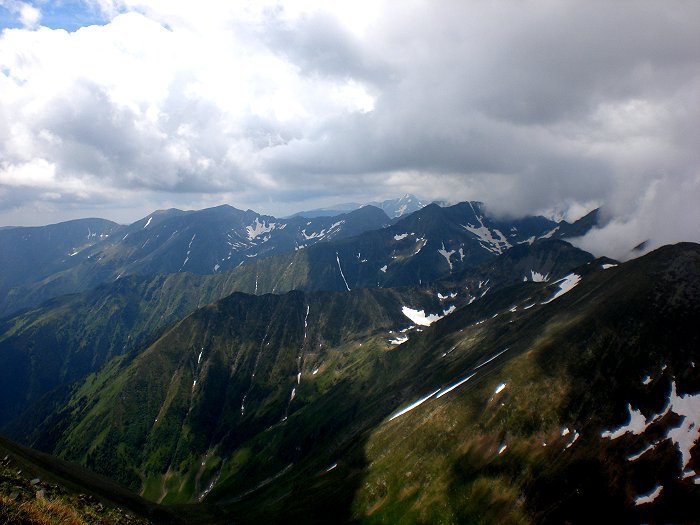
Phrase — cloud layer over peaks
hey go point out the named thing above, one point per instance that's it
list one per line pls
(282, 105)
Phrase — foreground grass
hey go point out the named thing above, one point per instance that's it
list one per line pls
(36, 502)
(38, 512)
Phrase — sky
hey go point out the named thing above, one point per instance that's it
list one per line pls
(115, 108)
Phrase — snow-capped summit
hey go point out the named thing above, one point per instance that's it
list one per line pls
(402, 206)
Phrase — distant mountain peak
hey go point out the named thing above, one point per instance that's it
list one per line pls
(401, 206)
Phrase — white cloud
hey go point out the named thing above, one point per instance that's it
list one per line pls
(28, 15)
(667, 212)
(274, 104)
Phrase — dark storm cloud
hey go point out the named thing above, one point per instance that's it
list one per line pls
(537, 97)
(320, 45)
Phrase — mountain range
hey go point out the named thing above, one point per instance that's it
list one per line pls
(443, 367)
(217, 240)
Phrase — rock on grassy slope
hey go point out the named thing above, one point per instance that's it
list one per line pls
(38, 489)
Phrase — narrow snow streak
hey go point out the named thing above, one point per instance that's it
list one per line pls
(639, 454)
(491, 359)
(341, 271)
(414, 405)
(457, 384)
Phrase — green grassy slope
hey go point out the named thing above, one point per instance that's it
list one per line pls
(521, 441)
(570, 369)
(163, 422)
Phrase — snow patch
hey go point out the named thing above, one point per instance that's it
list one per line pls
(399, 340)
(500, 388)
(446, 254)
(383, 269)
(606, 266)
(400, 236)
(419, 316)
(323, 233)
(576, 436)
(649, 497)
(259, 228)
(502, 449)
(422, 243)
(485, 236)
(637, 424)
(538, 277)
(687, 433)
(566, 284)
(684, 436)
(147, 223)
(549, 233)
